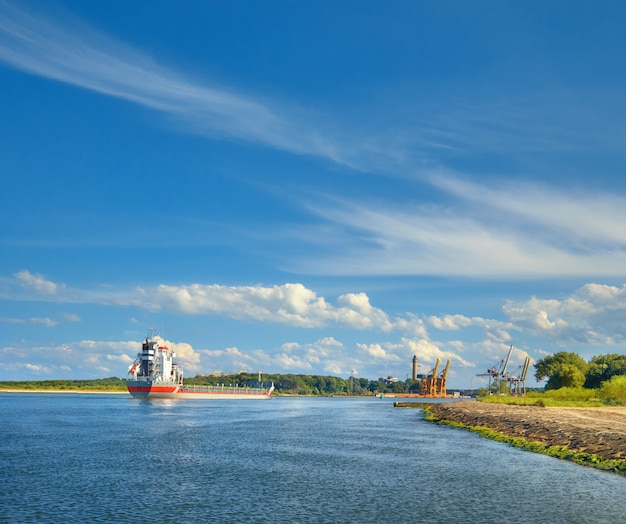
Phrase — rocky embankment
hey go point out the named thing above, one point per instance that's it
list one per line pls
(599, 431)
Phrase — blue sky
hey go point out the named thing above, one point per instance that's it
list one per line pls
(328, 187)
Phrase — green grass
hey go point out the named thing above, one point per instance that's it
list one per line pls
(111, 384)
(564, 397)
(542, 401)
(610, 393)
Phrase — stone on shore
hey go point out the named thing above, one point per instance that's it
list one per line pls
(599, 431)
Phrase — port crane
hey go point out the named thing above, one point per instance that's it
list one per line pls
(434, 384)
(517, 380)
(442, 380)
(497, 374)
(503, 381)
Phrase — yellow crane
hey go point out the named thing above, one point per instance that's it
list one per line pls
(432, 387)
(434, 384)
(442, 380)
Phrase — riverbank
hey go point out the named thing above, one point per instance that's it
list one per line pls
(600, 432)
(64, 391)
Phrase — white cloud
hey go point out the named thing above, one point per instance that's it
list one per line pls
(12, 320)
(450, 322)
(412, 325)
(358, 313)
(88, 358)
(292, 363)
(380, 353)
(36, 368)
(292, 304)
(38, 283)
(428, 352)
(84, 355)
(183, 350)
(48, 322)
(327, 352)
(335, 368)
(593, 314)
(40, 320)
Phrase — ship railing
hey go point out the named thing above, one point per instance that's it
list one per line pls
(224, 389)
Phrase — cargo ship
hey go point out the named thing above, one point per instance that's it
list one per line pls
(155, 374)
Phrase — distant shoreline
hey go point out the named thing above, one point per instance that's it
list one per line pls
(64, 391)
(98, 392)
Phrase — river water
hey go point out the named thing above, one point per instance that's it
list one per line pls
(110, 458)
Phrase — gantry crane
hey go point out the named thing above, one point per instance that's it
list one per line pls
(429, 387)
(518, 379)
(434, 384)
(497, 374)
(442, 380)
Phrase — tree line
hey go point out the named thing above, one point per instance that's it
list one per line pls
(570, 370)
(319, 385)
(288, 384)
(98, 384)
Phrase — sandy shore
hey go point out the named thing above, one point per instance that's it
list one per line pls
(599, 431)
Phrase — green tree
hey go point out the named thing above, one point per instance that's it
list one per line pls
(376, 386)
(567, 376)
(603, 368)
(562, 369)
(399, 387)
(413, 386)
(613, 391)
(295, 384)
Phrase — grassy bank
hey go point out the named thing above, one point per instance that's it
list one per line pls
(102, 385)
(610, 393)
(556, 451)
(542, 401)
